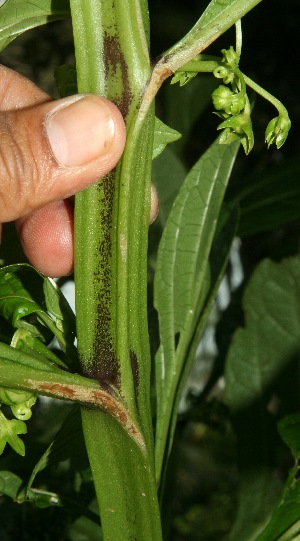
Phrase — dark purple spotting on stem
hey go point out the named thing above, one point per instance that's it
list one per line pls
(135, 373)
(114, 58)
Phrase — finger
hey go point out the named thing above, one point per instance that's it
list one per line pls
(154, 209)
(47, 237)
(56, 149)
(18, 92)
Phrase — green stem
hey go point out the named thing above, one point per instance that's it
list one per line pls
(267, 96)
(111, 229)
(238, 37)
(22, 372)
(202, 64)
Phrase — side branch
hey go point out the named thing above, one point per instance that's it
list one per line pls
(66, 386)
(213, 23)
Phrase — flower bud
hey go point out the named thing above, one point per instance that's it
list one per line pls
(222, 98)
(23, 411)
(277, 130)
(12, 397)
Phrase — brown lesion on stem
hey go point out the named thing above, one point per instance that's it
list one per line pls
(90, 396)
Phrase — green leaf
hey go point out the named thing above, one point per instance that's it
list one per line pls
(268, 199)
(168, 176)
(284, 524)
(30, 344)
(59, 308)
(23, 292)
(163, 135)
(271, 336)
(258, 493)
(17, 16)
(289, 430)
(68, 443)
(16, 301)
(10, 484)
(219, 8)
(258, 356)
(9, 430)
(35, 360)
(218, 259)
(182, 278)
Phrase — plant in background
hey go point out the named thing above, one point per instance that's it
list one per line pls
(128, 417)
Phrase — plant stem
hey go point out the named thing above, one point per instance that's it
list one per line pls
(111, 229)
(266, 95)
(238, 37)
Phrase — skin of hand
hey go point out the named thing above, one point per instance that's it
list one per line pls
(50, 150)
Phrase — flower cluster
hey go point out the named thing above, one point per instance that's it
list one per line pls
(20, 403)
(232, 103)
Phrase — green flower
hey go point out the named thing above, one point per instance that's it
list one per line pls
(277, 130)
(238, 126)
(230, 57)
(221, 72)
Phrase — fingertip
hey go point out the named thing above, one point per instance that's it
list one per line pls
(154, 209)
(47, 238)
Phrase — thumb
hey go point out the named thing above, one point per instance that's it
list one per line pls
(55, 149)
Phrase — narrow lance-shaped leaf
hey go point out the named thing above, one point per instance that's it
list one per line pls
(181, 280)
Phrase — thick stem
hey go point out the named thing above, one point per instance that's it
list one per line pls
(111, 229)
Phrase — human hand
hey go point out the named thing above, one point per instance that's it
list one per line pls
(49, 150)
